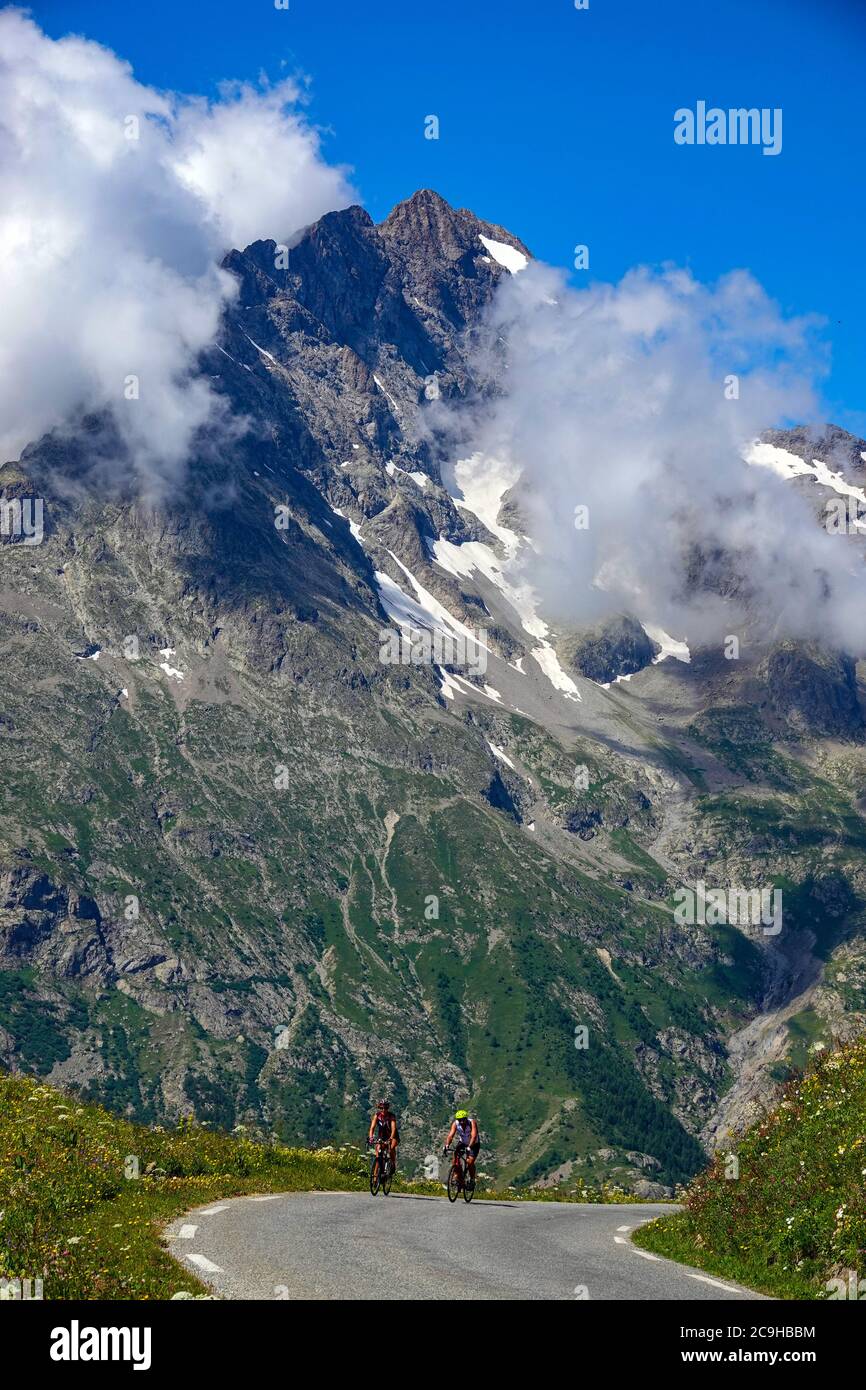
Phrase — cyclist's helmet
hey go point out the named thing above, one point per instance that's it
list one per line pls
(382, 1105)
(461, 1114)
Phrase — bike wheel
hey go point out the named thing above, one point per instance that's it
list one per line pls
(387, 1179)
(374, 1178)
(468, 1188)
(454, 1184)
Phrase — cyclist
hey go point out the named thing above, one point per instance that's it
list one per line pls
(384, 1126)
(465, 1130)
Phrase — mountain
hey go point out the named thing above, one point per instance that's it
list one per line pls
(253, 867)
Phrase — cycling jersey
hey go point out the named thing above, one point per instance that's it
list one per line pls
(463, 1131)
(383, 1125)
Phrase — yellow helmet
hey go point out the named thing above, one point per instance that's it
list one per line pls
(461, 1114)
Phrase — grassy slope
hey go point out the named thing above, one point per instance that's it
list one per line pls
(72, 1217)
(796, 1214)
(505, 1014)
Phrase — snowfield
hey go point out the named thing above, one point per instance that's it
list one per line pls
(506, 255)
(788, 465)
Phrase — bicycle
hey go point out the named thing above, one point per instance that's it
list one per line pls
(461, 1178)
(381, 1169)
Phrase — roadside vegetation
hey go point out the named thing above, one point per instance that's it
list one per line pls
(793, 1219)
(84, 1194)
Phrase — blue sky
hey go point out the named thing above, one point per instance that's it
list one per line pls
(558, 124)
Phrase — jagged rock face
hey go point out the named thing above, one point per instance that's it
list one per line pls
(617, 647)
(814, 691)
(248, 868)
(832, 445)
(366, 318)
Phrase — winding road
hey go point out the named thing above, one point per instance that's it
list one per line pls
(348, 1245)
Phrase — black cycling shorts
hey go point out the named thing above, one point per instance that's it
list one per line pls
(470, 1148)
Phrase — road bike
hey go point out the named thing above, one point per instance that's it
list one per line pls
(461, 1178)
(381, 1169)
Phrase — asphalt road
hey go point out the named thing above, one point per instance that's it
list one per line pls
(348, 1245)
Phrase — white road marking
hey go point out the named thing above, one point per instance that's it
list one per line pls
(212, 1211)
(623, 1228)
(645, 1255)
(715, 1283)
(204, 1263)
(270, 1197)
(620, 1240)
(186, 1232)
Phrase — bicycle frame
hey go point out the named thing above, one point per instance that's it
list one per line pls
(382, 1151)
(460, 1164)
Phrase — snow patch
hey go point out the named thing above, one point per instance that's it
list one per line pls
(452, 685)
(463, 560)
(506, 255)
(788, 465)
(170, 671)
(353, 525)
(501, 755)
(434, 613)
(449, 687)
(389, 398)
(549, 663)
(670, 646)
(420, 479)
(483, 481)
(233, 359)
(262, 350)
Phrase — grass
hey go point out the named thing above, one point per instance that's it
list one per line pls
(795, 1215)
(73, 1215)
(637, 855)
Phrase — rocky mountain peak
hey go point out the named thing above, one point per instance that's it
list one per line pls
(836, 447)
(426, 221)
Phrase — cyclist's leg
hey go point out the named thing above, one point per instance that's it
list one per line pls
(471, 1155)
(393, 1146)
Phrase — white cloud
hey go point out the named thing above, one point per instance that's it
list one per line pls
(109, 246)
(256, 163)
(613, 398)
